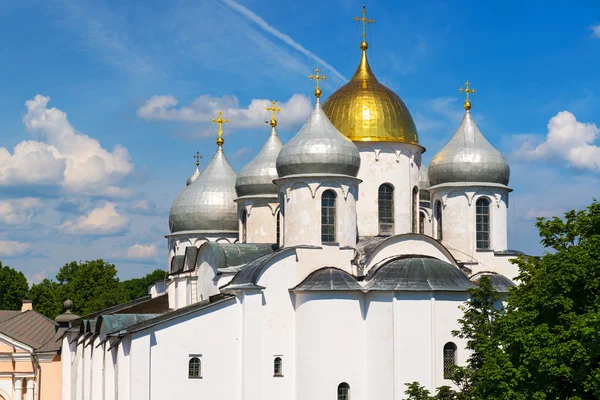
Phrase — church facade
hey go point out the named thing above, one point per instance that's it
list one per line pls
(331, 267)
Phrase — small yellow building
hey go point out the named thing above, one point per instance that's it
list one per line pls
(30, 353)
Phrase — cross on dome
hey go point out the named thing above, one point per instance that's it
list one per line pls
(198, 157)
(317, 78)
(467, 104)
(364, 21)
(273, 110)
(220, 121)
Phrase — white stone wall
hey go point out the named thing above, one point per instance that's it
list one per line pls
(302, 209)
(394, 163)
(261, 219)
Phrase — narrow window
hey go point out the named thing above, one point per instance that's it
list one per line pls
(386, 209)
(282, 220)
(424, 198)
(449, 359)
(422, 222)
(415, 210)
(243, 219)
(482, 221)
(328, 217)
(343, 391)
(438, 217)
(278, 233)
(194, 368)
(277, 367)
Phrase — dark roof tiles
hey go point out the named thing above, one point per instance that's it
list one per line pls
(30, 328)
(328, 278)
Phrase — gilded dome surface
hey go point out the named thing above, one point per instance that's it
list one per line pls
(256, 178)
(469, 157)
(365, 110)
(207, 204)
(318, 148)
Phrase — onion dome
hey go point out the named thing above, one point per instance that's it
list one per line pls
(256, 178)
(318, 148)
(194, 176)
(207, 204)
(365, 110)
(469, 157)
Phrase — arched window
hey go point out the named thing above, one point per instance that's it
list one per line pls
(281, 236)
(424, 198)
(422, 222)
(277, 367)
(482, 222)
(328, 217)
(195, 368)
(278, 233)
(415, 210)
(386, 209)
(438, 218)
(343, 391)
(243, 219)
(449, 359)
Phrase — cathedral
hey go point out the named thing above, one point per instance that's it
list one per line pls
(330, 267)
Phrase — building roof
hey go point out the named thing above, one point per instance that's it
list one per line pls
(328, 278)
(108, 324)
(143, 305)
(8, 314)
(418, 273)
(500, 283)
(30, 328)
(236, 254)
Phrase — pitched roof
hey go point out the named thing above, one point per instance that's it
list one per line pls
(8, 314)
(143, 305)
(30, 328)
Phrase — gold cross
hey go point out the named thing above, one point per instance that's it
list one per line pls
(365, 21)
(197, 156)
(317, 78)
(467, 104)
(273, 109)
(220, 121)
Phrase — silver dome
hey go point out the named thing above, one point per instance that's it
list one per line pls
(194, 176)
(207, 204)
(318, 148)
(469, 157)
(256, 178)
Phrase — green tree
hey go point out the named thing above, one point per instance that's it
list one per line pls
(13, 288)
(138, 287)
(46, 298)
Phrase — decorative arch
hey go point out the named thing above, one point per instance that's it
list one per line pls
(449, 359)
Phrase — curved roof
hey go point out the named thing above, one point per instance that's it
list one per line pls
(236, 254)
(256, 178)
(328, 278)
(207, 204)
(365, 110)
(500, 283)
(115, 322)
(418, 274)
(469, 157)
(193, 177)
(318, 148)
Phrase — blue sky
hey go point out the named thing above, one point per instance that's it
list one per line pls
(104, 103)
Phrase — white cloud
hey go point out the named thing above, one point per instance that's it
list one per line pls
(205, 107)
(141, 252)
(567, 140)
(283, 37)
(101, 221)
(64, 158)
(596, 31)
(145, 207)
(13, 249)
(19, 211)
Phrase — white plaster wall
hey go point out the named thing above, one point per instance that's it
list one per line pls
(214, 333)
(6, 388)
(79, 372)
(379, 346)
(261, 219)
(303, 209)
(123, 370)
(330, 332)
(394, 163)
(110, 382)
(309, 260)
(97, 356)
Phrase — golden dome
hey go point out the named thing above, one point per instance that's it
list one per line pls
(365, 110)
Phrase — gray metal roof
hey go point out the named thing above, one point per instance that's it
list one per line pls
(143, 305)
(235, 254)
(418, 274)
(318, 148)
(328, 278)
(469, 157)
(177, 264)
(113, 323)
(193, 177)
(30, 328)
(207, 204)
(499, 282)
(256, 178)
(191, 254)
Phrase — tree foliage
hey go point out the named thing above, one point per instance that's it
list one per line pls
(543, 344)
(13, 288)
(91, 285)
